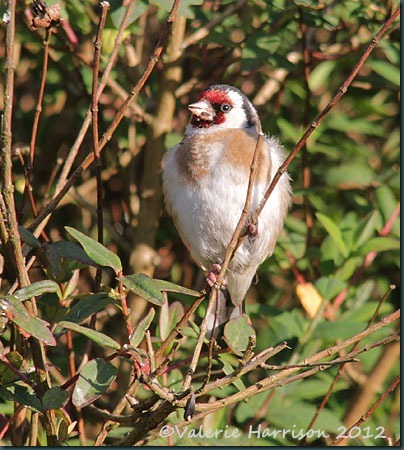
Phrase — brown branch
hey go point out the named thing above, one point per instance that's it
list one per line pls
(341, 368)
(281, 379)
(341, 91)
(38, 110)
(104, 81)
(125, 309)
(119, 116)
(278, 379)
(213, 298)
(12, 239)
(369, 413)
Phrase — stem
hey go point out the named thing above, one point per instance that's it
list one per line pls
(12, 239)
(341, 368)
(235, 241)
(341, 91)
(104, 79)
(94, 110)
(369, 413)
(111, 129)
(38, 110)
(305, 162)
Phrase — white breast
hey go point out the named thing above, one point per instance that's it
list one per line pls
(206, 213)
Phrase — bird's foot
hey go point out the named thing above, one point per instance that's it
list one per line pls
(213, 274)
(252, 229)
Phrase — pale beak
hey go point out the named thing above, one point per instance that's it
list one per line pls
(203, 110)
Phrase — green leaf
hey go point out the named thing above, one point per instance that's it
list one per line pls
(349, 176)
(6, 374)
(289, 324)
(35, 289)
(95, 378)
(169, 317)
(87, 306)
(71, 250)
(100, 338)
(380, 244)
(366, 231)
(144, 287)
(54, 398)
(96, 251)
(30, 325)
(141, 328)
(336, 330)
(172, 287)
(117, 14)
(388, 71)
(237, 332)
(329, 287)
(29, 238)
(22, 394)
(334, 232)
(386, 201)
(320, 75)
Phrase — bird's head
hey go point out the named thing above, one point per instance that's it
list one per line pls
(220, 107)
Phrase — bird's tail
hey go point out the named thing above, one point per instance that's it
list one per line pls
(224, 312)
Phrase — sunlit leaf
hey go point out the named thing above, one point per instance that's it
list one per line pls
(96, 336)
(96, 251)
(164, 285)
(94, 379)
(237, 332)
(144, 287)
(35, 289)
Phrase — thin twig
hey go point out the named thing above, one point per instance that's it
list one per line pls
(198, 347)
(36, 224)
(340, 298)
(234, 242)
(178, 327)
(278, 378)
(341, 91)
(13, 240)
(150, 352)
(104, 81)
(38, 110)
(96, 152)
(369, 413)
(19, 374)
(125, 309)
(341, 368)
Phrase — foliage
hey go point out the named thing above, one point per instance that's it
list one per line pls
(101, 318)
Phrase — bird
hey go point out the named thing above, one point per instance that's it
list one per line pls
(205, 181)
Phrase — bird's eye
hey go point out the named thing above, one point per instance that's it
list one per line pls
(225, 107)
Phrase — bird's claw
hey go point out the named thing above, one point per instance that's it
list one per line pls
(213, 275)
(252, 229)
